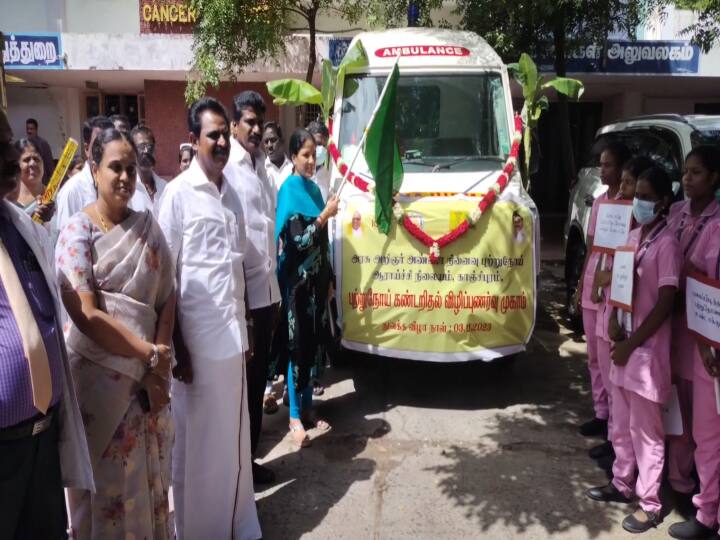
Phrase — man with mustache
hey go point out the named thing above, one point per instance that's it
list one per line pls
(202, 219)
(246, 173)
(150, 186)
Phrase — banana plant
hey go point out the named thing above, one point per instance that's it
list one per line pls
(295, 92)
(534, 87)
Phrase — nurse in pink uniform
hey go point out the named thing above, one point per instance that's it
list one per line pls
(630, 173)
(687, 220)
(704, 172)
(612, 159)
(640, 373)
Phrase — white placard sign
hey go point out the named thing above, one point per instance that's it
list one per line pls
(612, 226)
(702, 301)
(623, 277)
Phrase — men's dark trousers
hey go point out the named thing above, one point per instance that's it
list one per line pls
(32, 500)
(257, 367)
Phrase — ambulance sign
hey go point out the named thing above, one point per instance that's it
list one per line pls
(422, 50)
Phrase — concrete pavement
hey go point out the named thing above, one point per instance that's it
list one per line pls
(423, 450)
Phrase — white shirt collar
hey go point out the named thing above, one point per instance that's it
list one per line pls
(238, 154)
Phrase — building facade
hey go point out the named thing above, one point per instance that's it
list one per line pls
(79, 58)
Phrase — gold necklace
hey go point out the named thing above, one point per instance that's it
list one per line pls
(103, 225)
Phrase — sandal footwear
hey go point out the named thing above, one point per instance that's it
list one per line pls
(299, 436)
(270, 405)
(316, 423)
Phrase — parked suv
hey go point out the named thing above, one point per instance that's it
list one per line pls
(666, 138)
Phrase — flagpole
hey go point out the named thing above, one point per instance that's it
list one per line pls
(367, 128)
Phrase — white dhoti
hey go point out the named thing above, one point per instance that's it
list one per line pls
(212, 468)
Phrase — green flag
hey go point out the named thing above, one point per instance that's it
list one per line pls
(382, 154)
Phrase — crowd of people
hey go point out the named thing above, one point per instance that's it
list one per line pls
(636, 365)
(142, 324)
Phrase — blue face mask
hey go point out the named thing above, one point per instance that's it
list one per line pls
(320, 156)
(644, 211)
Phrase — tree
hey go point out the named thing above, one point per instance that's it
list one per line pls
(544, 28)
(231, 34)
(706, 31)
(534, 87)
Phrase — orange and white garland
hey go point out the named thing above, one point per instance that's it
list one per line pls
(486, 201)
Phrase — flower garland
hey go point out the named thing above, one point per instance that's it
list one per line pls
(486, 201)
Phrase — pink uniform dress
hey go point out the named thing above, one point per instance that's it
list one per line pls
(706, 421)
(605, 311)
(643, 384)
(589, 315)
(687, 230)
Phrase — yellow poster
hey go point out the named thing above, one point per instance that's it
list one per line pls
(479, 297)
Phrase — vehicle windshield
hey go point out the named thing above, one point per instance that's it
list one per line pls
(706, 136)
(445, 123)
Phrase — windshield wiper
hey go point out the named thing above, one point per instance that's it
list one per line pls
(469, 158)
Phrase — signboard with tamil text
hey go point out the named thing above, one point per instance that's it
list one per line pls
(646, 57)
(702, 299)
(612, 226)
(478, 302)
(33, 51)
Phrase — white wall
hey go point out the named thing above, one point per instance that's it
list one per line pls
(22, 16)
(57, 110)
(105, 16)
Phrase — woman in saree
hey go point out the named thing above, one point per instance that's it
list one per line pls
(31, 187)
(116, 279)
(304, 274)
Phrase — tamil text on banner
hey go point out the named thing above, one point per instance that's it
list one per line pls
(623, 277)
(478, 302)
(612, 226)
(33, 51)
(702, 299)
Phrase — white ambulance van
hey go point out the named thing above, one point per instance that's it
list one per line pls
(455, 127)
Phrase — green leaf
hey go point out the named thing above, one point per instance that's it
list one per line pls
(354, 58)
(530, 74)
(294, 92)
(570, 87)
(329, 82)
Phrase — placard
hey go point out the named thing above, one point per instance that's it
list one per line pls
(702, 301)
(623, 277)
(612, 226)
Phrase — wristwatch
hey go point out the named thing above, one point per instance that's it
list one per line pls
(155, 358)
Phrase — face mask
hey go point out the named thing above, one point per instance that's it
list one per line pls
(644, 211)
(320, 156)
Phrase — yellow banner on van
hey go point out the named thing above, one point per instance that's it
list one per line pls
(480, 296)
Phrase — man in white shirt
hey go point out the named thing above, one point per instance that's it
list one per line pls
(201, 217)
(277, 164)
(149, 186)
(245, 172)
(322, 174)
(79, 191)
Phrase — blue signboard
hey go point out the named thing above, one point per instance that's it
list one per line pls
(645, 57)
(33, 51)
(338, 48)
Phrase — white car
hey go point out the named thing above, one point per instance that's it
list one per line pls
(666, 138)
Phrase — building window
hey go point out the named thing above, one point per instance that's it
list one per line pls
(307, 113)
